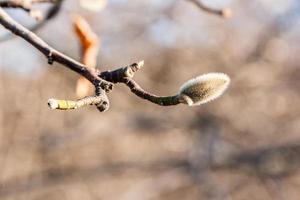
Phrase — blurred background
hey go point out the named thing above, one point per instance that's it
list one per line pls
(245, 145)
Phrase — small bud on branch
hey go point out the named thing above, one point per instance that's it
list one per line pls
(204, 88)
(99, 101)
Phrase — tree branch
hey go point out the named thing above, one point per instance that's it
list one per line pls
(52, 54)
(194, 92)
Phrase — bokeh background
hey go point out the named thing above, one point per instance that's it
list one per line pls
(245, 145)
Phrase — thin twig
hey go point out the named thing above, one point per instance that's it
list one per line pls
(124, 75)
(159, 100)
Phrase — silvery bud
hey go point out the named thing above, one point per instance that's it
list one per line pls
(203, 89)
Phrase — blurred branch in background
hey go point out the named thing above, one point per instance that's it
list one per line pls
(90, 48)
(267, 164)
(225, 12)
(27, 6)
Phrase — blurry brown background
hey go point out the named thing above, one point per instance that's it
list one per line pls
(245, 145)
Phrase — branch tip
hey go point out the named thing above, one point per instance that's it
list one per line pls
(100, 101)
(52, 103)
(130, 70)
(141, 64)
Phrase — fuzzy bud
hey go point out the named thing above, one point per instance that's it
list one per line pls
(203, 89)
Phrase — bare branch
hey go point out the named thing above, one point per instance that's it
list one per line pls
(52, 54)
(159, 100)
(194, 92)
